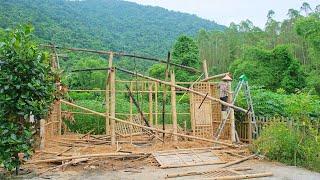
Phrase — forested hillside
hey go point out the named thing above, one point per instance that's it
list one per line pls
(257, 52)
(103, 24)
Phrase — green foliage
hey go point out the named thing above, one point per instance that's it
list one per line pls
(13, 140)
(89, 79)
(273, 104)
(294, 145)
(185, 52)
(26, 89)
(271, 69)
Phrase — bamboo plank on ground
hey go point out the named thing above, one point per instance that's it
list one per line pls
(150, 128)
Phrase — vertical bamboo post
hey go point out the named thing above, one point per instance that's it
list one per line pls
(249, 131)
(173, 105)
(232, 121)
(112, 105)
(59, 116)
(156, 103)
(107, 106)
(150, 105)
(108, 94)
(42, 133)
(131, 103)
(205, 69)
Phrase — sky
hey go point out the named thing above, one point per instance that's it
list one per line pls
(226, 11)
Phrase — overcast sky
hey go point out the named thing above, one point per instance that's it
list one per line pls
(227, 11)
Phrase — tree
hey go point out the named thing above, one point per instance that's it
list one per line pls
(306, 8)
(293, 14)
(270, 69)
(26, 92)
(185, 52)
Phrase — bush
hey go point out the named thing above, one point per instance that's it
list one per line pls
(297, 145)
(26, 92)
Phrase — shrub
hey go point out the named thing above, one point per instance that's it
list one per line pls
(297, 145)
(26, 92)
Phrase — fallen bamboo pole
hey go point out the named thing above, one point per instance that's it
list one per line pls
(78, 157)
(184, 88)
(238, 161)
(149, 128)
(242, 176)
(204, 172)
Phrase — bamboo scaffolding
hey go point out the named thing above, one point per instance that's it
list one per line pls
(149, 128)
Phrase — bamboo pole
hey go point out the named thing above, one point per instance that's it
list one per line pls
(231, 116)
(149, 128)
(214, 77)
(242, 176)
(150, 105)
(249, 131)
(112, 106)
(131, 118)
(59, 117)
(238, 161)
(156, 103)
(205, 69)
(186, 89)
(122, 54)
(173, 105)
(77, 157)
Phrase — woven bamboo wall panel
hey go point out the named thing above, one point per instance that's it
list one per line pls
(201, 118)
(124, 129)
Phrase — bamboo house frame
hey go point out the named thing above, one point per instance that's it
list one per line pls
(205, 105)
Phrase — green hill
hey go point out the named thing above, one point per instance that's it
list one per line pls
(103, 24)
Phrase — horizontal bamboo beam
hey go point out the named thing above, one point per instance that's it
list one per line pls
(90, 69)
(149, 128)
(159, 60)
(186, 89)
(124, 55)
(214, 77)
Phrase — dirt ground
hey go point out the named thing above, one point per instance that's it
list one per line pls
(148, 172)
(145, 168)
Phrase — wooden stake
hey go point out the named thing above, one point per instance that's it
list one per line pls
(149, 128)
(112, 105)
(173, 105)
(150, 105)
(205, 69)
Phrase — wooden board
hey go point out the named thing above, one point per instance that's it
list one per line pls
(185, 158)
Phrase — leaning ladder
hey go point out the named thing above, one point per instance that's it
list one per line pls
(243, 82)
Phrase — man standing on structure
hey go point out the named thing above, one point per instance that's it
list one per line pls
(224, 90)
